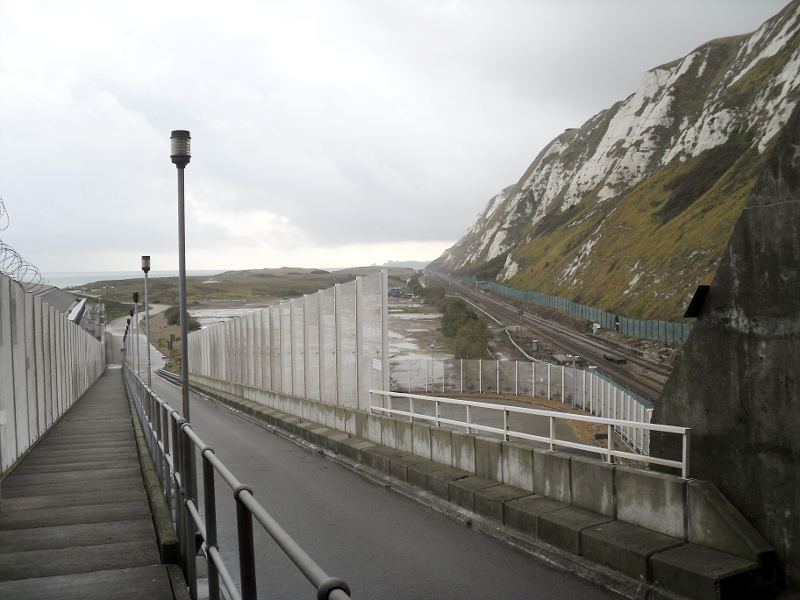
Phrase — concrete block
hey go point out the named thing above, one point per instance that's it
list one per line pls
(651, 500)
(353, 448)
(319, 434)
(374, 427)
(418, 473)
(441, 450)
(592, 485)
(563, 528)
(388, 432)
(625, 547)
(517, 463)
(463, 451)
(332, 440)
(379, 457)
(488, 462)
(438, 481)
(523, 514)
(402, 435)
(421, 439)
(399, 466)
(489, 502)
(716, 523)
(551, 475)
(704, 574)
(289, 423)
(304, 429)
(462, 491)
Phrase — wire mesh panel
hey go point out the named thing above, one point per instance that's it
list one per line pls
(327, 352)
(508, 371)
(346, 338)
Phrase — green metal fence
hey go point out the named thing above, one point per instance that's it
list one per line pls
(647, 329)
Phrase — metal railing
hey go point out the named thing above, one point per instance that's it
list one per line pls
(172, 444)
(551, 440)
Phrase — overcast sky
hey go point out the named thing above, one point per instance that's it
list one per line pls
(324, 133)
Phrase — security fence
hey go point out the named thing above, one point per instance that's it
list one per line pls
(648, 329)
(329, 346)
(46, 364)
(586, 389)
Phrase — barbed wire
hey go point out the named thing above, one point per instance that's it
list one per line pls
(12, 264)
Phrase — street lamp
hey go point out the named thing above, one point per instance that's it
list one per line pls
(180, 146)
(136, 326)
(131, 346)
(146, 269)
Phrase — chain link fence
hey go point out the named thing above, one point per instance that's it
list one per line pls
(329, 346)
(667, 332)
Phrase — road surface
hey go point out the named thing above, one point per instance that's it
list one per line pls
(383, 544)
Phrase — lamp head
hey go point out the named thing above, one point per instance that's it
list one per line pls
(136, 297)
(130, 312)
(128, 321)
(146, 264)
(180, 148)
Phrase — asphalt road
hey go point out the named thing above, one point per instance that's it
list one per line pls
(383, 544)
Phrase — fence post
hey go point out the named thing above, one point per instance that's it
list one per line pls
(461, 376)
(549, 397)
(686, 448)
(563, 387)
(247, 564)
(516, 378)
(210, 501)
(480, 376)
(610, 443)
(497, 382)
(552, 422)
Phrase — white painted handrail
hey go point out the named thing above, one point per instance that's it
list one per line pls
(609, 452)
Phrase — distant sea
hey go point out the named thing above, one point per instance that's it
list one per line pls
(76, 278)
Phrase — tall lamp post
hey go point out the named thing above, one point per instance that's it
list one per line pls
(146, 269)
(180, 145)
(131, 344)
(136, 325)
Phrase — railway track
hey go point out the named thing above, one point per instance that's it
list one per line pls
(645, 377)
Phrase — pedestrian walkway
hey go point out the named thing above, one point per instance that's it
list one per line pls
(75, 522)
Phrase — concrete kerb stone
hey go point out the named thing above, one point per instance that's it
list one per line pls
(716, 523)
(353, 447)
(704, 574)
(517, 465)
(438, 481)
(421, 439)
(523, 514)
(441, 445)
(399, 466)
(379, 457)
(563, 528)
(489, 502)
(652, 500)
(592, 484)
(462, 447)
(625, 547)
(551, 475)
(488, 458)
(462, 491)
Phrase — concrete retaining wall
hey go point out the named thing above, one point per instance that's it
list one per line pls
(691, 510)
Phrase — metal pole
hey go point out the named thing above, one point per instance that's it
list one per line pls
(138, 349)
(147, 330)
(182, 297)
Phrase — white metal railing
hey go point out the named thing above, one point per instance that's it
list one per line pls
(471, 426)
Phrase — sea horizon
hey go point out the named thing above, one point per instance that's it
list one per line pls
(66, 279)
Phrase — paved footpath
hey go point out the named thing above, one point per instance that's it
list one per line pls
(74, 519)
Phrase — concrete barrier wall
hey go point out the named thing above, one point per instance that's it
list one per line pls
(330, 346)
(657, 501)
(46, 364)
